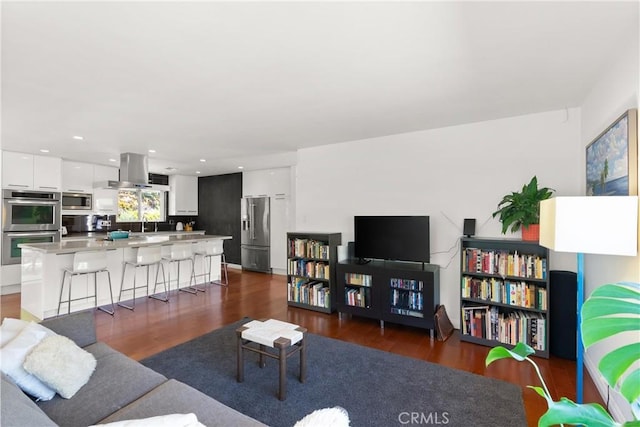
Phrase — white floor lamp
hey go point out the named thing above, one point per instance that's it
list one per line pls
(589, 225)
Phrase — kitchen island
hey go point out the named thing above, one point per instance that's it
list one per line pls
(43, 264)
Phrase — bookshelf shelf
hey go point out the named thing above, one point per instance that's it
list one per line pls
(504, 293)
(311, 266)
(402, 293)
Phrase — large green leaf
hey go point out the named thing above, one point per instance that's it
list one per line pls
(612, 309)
(630, 387)
(616, 362)
(519, 353)
(567, 412)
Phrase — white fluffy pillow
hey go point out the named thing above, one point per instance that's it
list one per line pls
(10, 329)
(61, 364)
(172, 420)
(13, 355)
(334, 417)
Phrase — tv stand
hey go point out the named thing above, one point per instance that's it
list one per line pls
(402, 293)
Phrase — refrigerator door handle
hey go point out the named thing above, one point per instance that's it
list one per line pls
(252, 217)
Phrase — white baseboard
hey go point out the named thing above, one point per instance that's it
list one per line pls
(10, 289)
(615, 401)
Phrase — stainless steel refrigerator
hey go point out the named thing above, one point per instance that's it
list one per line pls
(255, 234)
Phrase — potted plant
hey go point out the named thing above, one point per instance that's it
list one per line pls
(522, 209)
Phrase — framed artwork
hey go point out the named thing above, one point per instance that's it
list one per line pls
(612, 159)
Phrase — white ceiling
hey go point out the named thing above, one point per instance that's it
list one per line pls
(244, 83)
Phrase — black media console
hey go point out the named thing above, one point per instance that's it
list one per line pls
(398, 292)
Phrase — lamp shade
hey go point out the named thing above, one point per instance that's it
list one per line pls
(590, 225)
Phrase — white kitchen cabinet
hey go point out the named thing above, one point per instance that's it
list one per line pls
(280, 216)
(47, 173)
(266, 182)
(183, 195)
(17, 170)
(105, 200)
(77, 177)
(23, 171)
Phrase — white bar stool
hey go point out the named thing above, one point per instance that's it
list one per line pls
(179, 252)
(146, 256)
(90, 262)
(208, 249)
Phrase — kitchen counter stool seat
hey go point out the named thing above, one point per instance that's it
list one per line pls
(177, 253)
(207, 250)
(90, 262)
(145, 256)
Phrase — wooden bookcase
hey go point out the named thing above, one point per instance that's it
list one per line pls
(311, 270)
(504, 293)
(396, 292)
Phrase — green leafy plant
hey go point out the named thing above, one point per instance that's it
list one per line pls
(611, 309)
(521, 209)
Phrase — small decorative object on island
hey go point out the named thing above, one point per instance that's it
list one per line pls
(610, 311)
(522, 209)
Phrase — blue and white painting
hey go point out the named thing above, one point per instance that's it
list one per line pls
(608, 162)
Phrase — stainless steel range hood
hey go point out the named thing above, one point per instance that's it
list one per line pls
(134, 172)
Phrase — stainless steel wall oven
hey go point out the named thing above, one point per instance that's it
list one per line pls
(28, 217)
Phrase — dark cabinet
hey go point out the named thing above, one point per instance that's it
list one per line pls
(402, 293)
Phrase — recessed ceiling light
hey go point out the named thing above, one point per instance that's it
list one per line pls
(240, 167)
(112, 160)
(203, 160)
(79, 138)
(152, 151)
(44, 150)
(197, 172)
(170, 169)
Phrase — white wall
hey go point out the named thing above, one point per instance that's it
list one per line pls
(449, 174)
(616, 91)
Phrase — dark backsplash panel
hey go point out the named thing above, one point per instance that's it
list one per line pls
(77, 224)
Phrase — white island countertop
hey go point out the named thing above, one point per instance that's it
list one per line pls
(136, 240)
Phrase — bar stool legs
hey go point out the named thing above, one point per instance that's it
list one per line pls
(95, 290)
(164, 298)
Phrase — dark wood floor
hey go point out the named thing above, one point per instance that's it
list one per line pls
(156, 326)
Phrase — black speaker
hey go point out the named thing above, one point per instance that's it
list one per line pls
(469, 228)
(563, 322)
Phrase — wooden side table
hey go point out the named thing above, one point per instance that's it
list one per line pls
(286, 338)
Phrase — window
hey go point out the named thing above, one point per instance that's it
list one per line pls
(138, 205)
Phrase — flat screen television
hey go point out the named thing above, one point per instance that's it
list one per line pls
(396, 238)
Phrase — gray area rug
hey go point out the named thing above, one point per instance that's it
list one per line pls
(376, 388)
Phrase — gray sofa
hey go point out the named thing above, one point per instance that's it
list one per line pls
(119, 389)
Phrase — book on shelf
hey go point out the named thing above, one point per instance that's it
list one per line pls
(307, 268)
(308, 248)
(357, 297)
(357, 279)
(510, 292)
(490, 323)
(308, 292)
(504, 263)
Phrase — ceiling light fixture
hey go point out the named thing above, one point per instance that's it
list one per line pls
(152, 151)
(44, 150)
(112, 160)
(240, 167)
(79, 138)
(203, 160)
(198, 172)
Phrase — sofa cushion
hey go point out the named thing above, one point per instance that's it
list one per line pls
(18, 409)
(172, 420)
(176, 397)
(10, 329)
(13, 355)
(116, 382)
(79, 327)
(60, 364)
